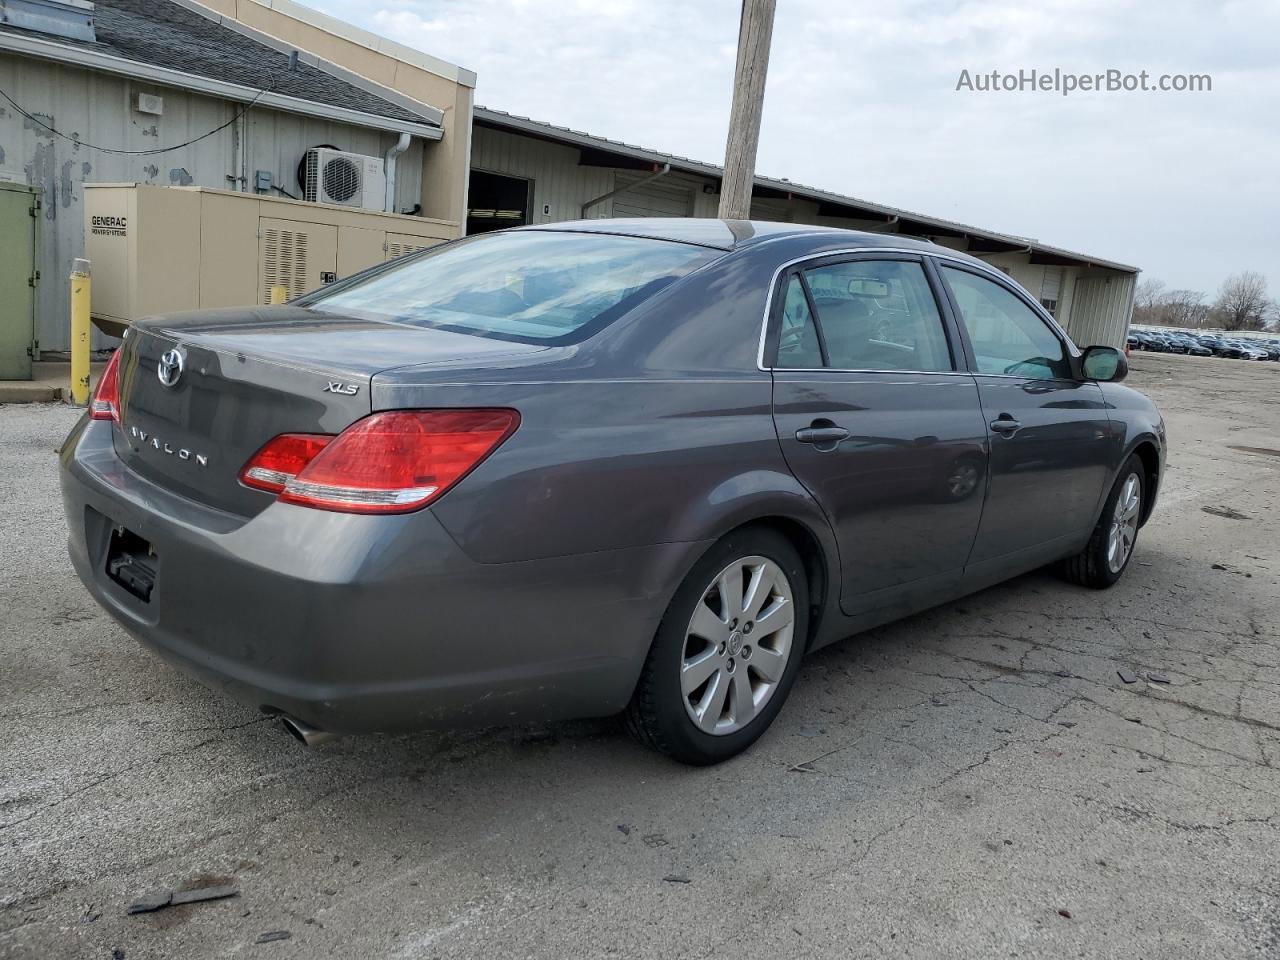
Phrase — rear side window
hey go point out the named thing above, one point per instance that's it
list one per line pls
(877, 315)
(534, 287)
(1007, 335)
(798, 337)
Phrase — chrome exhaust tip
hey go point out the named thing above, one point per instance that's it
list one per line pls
(305, 733)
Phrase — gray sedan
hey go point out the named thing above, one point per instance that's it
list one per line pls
(636, 467)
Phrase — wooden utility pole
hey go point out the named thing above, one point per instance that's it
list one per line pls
(755, 31)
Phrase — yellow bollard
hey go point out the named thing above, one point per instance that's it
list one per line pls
(80, 284)
(279, 294)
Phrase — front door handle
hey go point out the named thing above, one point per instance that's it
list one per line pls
(1006, 425)
(821, 435)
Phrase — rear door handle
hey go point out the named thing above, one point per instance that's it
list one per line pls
(821, 435)
(1006, 425)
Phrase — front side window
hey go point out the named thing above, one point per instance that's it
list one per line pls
(878, 315)
(533, 287)
(1007, 335)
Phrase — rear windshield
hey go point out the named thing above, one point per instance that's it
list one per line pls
(536, 287)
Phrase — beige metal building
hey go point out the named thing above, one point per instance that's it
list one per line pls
(140, 76)
(526, 171)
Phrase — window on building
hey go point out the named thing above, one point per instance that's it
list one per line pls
(1051, 289)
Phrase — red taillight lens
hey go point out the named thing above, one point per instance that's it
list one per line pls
(105, 404)
(281, 460)
(400, 460)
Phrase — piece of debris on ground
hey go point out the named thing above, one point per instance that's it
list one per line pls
(160, 899)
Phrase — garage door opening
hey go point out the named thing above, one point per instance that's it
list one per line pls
(496, 202)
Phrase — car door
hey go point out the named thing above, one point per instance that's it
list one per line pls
(878, 420)
(1049, 430)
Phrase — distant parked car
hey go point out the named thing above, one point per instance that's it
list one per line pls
(1157, 343)
(1251, 351)
(1224, 348)
(1195, 348)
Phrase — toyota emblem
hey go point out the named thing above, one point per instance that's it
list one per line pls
(169, 369)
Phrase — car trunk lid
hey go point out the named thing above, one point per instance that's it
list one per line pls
(200, 394)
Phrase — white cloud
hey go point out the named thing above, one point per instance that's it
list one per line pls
(861, 99)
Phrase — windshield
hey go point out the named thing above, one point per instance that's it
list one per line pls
(531, 286)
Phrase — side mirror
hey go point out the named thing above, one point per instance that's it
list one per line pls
(1104, 364)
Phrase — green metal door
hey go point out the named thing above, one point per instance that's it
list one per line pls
(19, 220)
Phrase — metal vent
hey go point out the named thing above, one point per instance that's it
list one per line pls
(396, 249)
(284, 262)
(72, 19)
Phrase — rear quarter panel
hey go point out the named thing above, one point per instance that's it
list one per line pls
(658, 429)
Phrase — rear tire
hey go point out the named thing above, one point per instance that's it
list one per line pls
(724, 658)
(1105, 558)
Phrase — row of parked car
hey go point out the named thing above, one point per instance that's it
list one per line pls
(1204, 345)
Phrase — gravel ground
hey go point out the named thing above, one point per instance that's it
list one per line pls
(972, 782)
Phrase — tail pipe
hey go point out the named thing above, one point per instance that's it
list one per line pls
(305, 733)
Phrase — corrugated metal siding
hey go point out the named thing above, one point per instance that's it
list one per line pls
(97, 108)
(1100, 309)
(663, 197)
(558, 182)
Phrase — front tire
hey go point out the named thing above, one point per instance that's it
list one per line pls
(726, 652)
(1105, 558)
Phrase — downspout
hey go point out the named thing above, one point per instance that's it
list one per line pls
(389, 170)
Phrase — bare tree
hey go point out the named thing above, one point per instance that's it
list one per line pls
(1183, 308)
(1148, 293)
(1146, 300)
(1242, 302)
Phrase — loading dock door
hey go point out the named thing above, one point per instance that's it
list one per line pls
(18, 222)
(657, 198)
(496, 202)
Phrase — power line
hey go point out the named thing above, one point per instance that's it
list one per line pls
(136, 153)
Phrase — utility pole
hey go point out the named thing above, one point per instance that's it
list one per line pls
(755, 31)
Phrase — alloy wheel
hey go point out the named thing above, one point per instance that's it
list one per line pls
(737, 645)
(1124, 523)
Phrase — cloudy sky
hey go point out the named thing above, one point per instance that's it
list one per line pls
(862, 99)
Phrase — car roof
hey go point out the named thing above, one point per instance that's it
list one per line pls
(735, 234)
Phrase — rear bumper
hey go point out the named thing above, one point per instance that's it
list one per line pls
(357, 624)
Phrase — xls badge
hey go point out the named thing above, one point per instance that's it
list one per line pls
(338, 386)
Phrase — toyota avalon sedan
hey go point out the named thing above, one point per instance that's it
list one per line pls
(635, 467)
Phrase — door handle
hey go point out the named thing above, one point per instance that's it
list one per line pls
(821, 435)
(1006, 425)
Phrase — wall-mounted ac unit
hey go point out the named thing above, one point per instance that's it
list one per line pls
(345, 179)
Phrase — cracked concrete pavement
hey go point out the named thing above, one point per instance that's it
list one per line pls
(975, 781)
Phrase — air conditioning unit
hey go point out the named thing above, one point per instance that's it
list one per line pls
(345, 179)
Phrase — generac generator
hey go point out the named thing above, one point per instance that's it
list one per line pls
(160, 249)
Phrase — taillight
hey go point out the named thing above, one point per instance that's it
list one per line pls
(281, 460)
(388, 462)
(105, 404)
